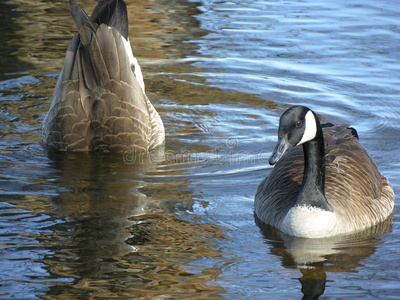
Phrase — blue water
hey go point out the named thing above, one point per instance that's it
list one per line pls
(220, 73)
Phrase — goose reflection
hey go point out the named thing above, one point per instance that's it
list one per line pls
(100, 201)
(111, 240)
(314, 257)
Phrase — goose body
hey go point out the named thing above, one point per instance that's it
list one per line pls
(330, 186)
(99, 102)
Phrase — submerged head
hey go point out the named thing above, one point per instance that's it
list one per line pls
(297, 125)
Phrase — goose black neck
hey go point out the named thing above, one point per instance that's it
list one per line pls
(312, 192)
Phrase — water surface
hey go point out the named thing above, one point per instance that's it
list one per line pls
(220, 73)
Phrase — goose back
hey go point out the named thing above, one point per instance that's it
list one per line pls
(99, 103)
(359, 195)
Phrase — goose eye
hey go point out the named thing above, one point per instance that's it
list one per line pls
(299, 123)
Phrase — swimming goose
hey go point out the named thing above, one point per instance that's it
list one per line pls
(330, 187)
(99, 102)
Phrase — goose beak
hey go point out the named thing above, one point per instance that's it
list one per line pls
(280, 149)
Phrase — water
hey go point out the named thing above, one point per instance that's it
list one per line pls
(220, 73)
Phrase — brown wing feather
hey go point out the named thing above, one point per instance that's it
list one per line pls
(359, 195)
(354, 187)
(98, 103)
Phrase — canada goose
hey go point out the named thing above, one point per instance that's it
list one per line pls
(99, 102)
(342, 190)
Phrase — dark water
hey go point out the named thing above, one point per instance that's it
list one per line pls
(220, 73)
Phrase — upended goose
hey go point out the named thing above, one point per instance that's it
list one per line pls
(332, 187)
(99, 102)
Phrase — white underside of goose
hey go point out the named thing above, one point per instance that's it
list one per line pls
(310, 222)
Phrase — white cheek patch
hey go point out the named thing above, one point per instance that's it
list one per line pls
(310, 129)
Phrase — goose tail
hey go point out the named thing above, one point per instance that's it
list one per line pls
(99, 102)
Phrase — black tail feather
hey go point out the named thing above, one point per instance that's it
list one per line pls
(113, 13)
(79, 16)
(110, 12)
(354, 132)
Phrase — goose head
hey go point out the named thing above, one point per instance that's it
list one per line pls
(297, 125)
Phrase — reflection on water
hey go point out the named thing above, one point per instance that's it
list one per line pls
(315, 257)
(111, 239)
(220, 73)
(304, 252)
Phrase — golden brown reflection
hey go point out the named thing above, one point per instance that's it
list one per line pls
(40, 31)
(117, 242)
(315, 257)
